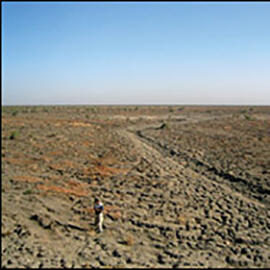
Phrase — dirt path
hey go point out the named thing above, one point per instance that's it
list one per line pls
(249, 190)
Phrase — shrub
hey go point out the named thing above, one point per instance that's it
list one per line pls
(94, 110)
(247, 117)
(14, 135)
(165, 126)
(33, 110)
(14, 113)
(27, 192)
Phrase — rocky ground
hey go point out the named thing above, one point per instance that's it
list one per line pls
(182, 186)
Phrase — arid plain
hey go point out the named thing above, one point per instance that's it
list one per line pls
(182, 186)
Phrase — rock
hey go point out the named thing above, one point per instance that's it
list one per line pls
(129, 260)
(44, 222)
(243, 263)
(40, 254)
(239, 240)
(62, 262)
(115, 253)
(160, 259)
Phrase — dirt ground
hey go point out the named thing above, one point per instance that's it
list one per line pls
(182, 186)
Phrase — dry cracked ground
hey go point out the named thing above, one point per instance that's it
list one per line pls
(182, 186)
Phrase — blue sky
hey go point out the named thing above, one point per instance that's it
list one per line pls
(135, 53)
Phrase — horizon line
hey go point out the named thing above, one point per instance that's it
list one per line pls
(133, 104)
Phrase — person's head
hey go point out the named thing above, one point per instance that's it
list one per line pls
(96, 200)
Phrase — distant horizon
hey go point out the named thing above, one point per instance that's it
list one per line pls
(236, 105)
(147, 53)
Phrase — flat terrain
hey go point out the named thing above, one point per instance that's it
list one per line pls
(182, 186)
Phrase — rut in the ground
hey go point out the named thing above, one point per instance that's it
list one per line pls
(238, 184)
(212, 216)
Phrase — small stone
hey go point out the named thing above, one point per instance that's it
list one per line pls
(40, 255)
(63, 262)
(116, 253)
(129, 260)
(160, 259)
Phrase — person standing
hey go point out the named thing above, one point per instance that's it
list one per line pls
(98, 207)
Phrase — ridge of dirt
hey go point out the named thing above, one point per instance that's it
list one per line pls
(212, 172)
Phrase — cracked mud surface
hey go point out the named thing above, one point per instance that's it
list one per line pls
(182, 186)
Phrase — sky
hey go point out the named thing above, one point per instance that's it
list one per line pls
(79, 53)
